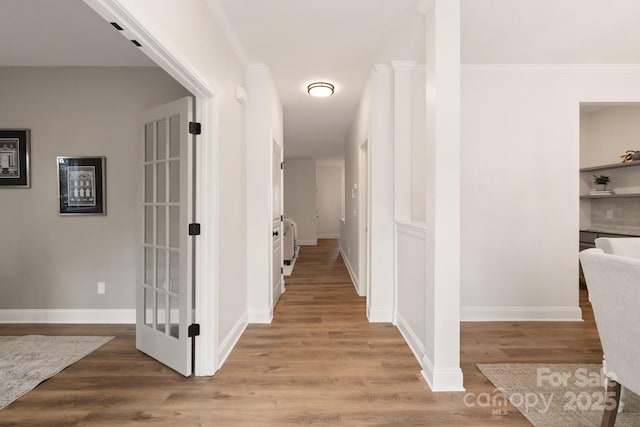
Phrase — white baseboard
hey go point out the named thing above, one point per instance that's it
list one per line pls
(442, 380)
(379, 315)
(262, 317)
(410, 337)
(520, 314)
(231, 339)
(313, 242)
(328, 236)
(352, 274)
(114, 315)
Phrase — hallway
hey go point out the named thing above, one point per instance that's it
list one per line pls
(319, 363)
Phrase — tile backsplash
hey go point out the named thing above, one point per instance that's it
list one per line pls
(623, 212)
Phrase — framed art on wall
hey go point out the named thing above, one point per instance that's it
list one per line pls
(82, 185)
(14, 158)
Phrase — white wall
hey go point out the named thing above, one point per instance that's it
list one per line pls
(300, 197)
(53, 262)
(418, 137)
(350, 230)
(263, 127)
(329, 196)
(189, 33)
(520, 186)
(608, 133)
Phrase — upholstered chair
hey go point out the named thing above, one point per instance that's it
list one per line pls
(613, 282)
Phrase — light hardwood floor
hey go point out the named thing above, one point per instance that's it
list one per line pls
(319, 363)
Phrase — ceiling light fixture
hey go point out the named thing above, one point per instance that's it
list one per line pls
(320, 89)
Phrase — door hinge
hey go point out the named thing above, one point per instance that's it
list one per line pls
(194, 330)
(195, 128)
(282, 165)
(194, 229)
(281, 270)
(281, 218)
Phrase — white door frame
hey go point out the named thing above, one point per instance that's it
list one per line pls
(206, 179)
(364, 212)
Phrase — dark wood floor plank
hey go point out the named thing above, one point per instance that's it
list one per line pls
(319, 363)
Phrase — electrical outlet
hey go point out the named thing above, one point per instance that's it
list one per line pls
(102, 288)
(609, 214)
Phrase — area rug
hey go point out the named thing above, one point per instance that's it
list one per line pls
(550, 395)
(26, 361)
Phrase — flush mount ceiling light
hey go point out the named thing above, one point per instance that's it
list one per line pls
(320, 89)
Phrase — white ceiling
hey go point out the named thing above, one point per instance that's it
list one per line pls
(61, 33)
(331, 40)
(339, 41)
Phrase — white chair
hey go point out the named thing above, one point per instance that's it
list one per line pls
(289, 240)
(623, 246)
(614, 289)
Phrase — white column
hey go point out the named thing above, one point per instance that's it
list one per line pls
(258, 187)
(402, 138)
(381, 233)
(441, 361)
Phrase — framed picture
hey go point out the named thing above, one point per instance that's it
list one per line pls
(14, 158)
(82, 185)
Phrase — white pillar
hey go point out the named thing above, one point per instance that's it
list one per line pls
(441, 361)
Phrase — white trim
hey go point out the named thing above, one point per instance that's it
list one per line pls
(232, 339)
(354, 278)
(414, 229)
(520, 314)
(328, 236)
(549, 68)
(442, 380)
(313, 242)
(207, 286)
(113, 315)
(229, 32)
(379, 315)
(263, 317)
(414, 343)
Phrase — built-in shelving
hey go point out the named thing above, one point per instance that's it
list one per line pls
(611, 166)
(608, 196)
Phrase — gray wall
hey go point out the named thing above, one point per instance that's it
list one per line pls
(300, 197)
(48, 261)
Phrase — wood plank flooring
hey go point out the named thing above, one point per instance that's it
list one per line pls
(319, 363)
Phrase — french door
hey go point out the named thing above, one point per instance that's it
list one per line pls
(164, 299)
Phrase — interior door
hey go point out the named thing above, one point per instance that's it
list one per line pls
(277, 223)
(165, 280)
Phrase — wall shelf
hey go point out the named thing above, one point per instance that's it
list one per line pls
(611, 166)
(608, 196)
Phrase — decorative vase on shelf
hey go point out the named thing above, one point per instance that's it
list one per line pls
(601, 187)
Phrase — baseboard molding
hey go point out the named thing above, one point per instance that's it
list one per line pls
(114, 315)
(379, 315)
(415, 344)
(520, 314)
(442, 380)
(231, 339)
(328, 236)
(261, 317)
(313, 242)
(352, 274)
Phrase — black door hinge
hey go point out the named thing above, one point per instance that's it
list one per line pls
(194, 229)
(281, 218)
(282, 165)
(194, 330)
(281, 270)
(195, 128)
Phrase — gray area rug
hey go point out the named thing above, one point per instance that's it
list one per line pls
(26, 361)
(550, 395)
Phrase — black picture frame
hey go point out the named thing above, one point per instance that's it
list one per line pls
(14, 158)
(82, 185)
